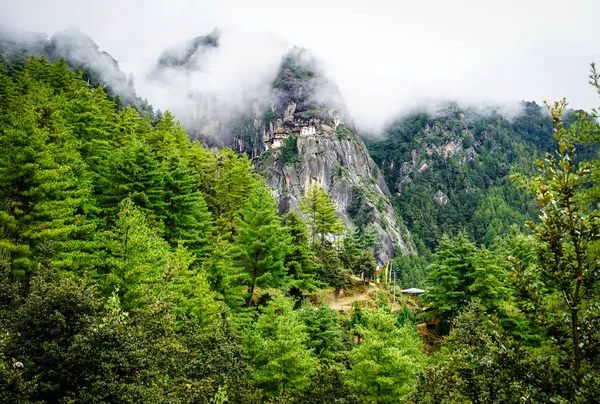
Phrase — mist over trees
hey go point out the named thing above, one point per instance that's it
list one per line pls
(138, 266)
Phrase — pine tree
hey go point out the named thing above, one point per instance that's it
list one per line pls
(168, 138)
(8, 99)
(134, 257)
(187, 219)
(134, 173)
(326, 337)
(299, 260)
(188, 288)
(233, 182)
(322, 220)
(223, 277)
(43, 188)
(488, 279)
(449, 277)
(261, 244)
(277, 346)
(385, 364)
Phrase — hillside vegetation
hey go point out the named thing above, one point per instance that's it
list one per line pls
(137, 266)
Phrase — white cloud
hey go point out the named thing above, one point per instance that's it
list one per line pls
(386, 56)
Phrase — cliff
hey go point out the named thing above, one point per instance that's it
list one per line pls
(309, 140)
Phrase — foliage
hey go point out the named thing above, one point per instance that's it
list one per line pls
(568, 231)
(277, 346)
(261, 244)
(129, 257)
(289, 151)
(384, 364)
(322, 221)
(299, 260)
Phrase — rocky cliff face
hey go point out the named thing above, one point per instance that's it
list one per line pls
(304, 112)
(342, 166)
(321, 147)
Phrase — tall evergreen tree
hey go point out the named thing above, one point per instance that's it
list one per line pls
(187, 219)
(320, 212)
(188, 288)
(450, 276)
(134, 257)
(134, 173)
(43, 190)
(261, 243)
(233, 182)
(299, 261)
(276, 344)
(385, 363)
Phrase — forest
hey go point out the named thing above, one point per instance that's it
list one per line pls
(138, 266)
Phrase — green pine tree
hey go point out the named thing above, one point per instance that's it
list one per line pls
(386, 362)
(322, 220)
(277, 347)
(43, 186)
(299, 261)
(450, 276)
(134, 257)
(261, 244)
(134, 173)
(187, 219)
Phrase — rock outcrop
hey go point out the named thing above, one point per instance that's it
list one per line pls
(327, 151)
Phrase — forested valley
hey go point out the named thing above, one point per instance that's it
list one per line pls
(139, 266)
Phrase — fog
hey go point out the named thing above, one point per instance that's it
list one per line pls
(387, 58)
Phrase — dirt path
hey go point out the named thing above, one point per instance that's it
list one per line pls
(345, 302)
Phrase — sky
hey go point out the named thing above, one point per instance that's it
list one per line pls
(386, 56)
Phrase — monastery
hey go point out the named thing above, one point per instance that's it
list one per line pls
(280, 134)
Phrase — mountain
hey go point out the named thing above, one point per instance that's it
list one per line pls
(80, 53)
(187, 55)
(450, 169)
(310, 140)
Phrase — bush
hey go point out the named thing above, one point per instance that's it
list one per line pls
(289, 151)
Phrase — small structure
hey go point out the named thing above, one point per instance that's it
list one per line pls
(412, 291)
(277, 140)
(308, 130)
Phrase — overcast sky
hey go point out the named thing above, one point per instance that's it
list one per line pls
(385, 55)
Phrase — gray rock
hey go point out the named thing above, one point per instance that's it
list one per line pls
(441, 198)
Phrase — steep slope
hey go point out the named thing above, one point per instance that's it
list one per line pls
(450, 170)
(310, 141)
(80, 53)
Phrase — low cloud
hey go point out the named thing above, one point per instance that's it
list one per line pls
(224, 79)
(386, 58)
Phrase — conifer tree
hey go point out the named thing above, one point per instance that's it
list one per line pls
(222, 275)
(8, 106)
(488, 279)
(43, 189)
(385, 364)
(134, 257)
(187, 219)
(277, 346)
(326, 337)
(320, 212)
(450, 275)
(299, 261)
(261, 244)
(134, 173)
(168, 138)
(233, 182)
(188, 288)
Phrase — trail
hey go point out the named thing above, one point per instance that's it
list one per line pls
(345, 303)
(360, 292)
